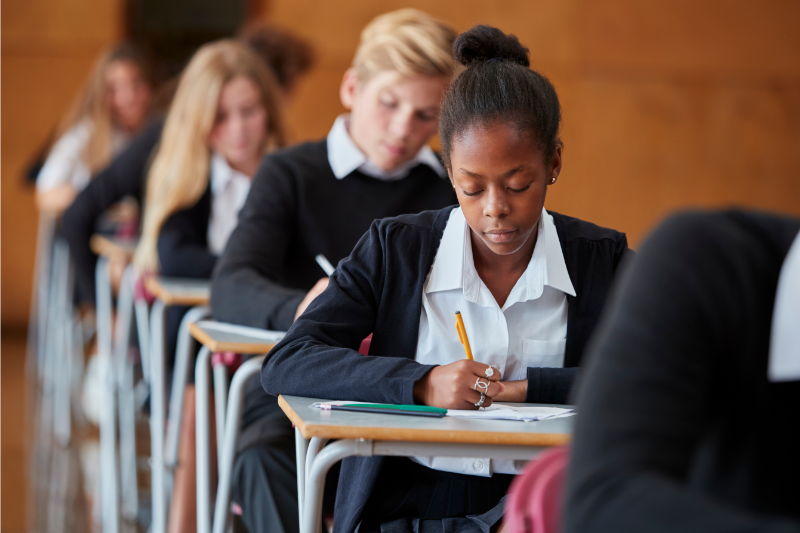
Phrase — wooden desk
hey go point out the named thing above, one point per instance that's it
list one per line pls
(222, 337)
(179, 291)
(113, 249)
(366, 434)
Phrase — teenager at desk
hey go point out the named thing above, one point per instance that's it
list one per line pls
(112, 108)
(287, 56)
(319, 198)
(530, 285)
(682, 428)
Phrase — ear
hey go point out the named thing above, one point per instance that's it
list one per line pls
(349, 88)
(555, 163)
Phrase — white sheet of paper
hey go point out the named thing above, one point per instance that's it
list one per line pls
(499, 411)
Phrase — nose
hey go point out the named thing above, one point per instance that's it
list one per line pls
(402, 124)
(496, 203)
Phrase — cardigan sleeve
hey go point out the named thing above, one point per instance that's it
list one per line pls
(319, 356)
(182, 244)
(246, 286)
(125, 176)
(648, 396)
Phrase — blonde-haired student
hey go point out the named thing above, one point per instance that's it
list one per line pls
(224, 117)
(319, 198)
(112, 107)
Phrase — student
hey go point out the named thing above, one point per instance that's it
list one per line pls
(680, 426)
(289, 58)
(530, 285)
(319, 198)
(112, 108)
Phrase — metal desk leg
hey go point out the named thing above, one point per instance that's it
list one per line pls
(142, 311)
(202, 386)
(108, 427)
(157, 403)
(127, 404)
(317, 443)
(301, 446)
(220, 405)
(180, 377)
(228, 443)
(315, 484)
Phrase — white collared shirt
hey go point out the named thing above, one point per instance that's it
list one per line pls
(229, 190)
(530, 330)
(345, 157)
(64, 163)
(784, 343)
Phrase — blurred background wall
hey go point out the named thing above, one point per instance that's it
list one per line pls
(667, 104)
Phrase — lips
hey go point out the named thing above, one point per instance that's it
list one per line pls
(394, 151)
(500, 235)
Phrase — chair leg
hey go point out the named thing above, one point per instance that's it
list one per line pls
(183, 511)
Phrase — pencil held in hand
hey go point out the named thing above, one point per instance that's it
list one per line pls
(462, 335)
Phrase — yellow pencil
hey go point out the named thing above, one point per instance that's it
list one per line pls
(462, 335)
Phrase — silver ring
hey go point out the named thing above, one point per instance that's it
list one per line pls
(489, 372)
(481, 385)
(483, 399)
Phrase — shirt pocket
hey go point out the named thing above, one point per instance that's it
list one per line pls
(544, 354)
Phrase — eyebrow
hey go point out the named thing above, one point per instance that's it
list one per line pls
(506, 175)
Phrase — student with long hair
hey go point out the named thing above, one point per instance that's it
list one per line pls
(319, 198)
(127, 174)
(529, 283)
(224, 117)
(112, 108)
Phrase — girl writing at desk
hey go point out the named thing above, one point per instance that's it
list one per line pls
(530, 285)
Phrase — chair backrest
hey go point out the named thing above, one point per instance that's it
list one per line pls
(364, 348)
(535, 498)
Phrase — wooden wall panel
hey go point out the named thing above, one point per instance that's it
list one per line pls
(667, 104)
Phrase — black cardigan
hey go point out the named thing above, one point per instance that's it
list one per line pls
(297, 209)
(378, 290)
(183, 242)
(125, 176)
(679, 428)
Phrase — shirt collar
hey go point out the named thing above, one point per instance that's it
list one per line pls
(454, 266)
(784, 356)
(222, 173)
(345, 157)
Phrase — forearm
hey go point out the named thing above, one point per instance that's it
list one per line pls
(515, 391)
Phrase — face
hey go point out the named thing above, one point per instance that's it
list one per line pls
(240, 127)
(392, 116)
(501, 179)
(129, 94)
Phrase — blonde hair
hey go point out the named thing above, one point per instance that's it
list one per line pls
(178, 176)
(92, 104)
(408, 41)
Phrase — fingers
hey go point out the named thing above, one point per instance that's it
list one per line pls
(480, 370)
(472, 398)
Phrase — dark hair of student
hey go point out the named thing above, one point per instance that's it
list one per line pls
(288, 55)
(497, 85)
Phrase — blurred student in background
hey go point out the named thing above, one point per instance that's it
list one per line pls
(112, 108)
(287, 56)
(319, 198)
(681, 427)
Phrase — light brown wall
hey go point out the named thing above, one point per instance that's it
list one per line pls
(667, 103)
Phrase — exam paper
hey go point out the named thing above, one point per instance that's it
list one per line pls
(500, 411)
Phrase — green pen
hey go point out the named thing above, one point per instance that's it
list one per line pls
(389, 409)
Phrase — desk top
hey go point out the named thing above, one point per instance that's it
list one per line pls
(223, 337)
(179, 291)
(120, 250)
(353, 425)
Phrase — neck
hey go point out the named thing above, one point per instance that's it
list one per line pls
(247, 168)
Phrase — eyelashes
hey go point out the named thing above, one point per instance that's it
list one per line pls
(525, 188)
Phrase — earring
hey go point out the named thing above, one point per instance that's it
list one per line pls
(552, 181)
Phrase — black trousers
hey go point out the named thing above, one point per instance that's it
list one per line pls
(265, 471)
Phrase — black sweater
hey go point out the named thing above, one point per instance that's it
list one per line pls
(125, 176)
(378, 290)
(297, 209)
(679, 428)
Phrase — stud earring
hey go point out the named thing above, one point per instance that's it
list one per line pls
(552, 181)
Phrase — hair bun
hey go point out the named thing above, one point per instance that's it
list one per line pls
(482, 43)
